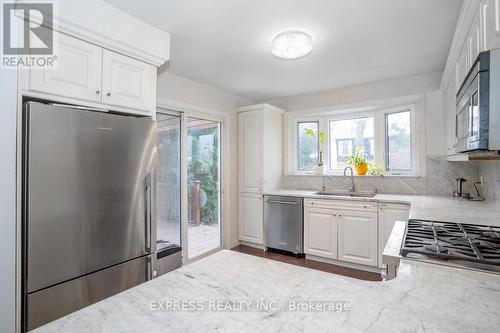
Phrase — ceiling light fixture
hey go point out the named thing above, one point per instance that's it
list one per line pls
(292, 44)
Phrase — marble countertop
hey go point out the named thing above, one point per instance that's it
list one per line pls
(424, 207)
(423, 298)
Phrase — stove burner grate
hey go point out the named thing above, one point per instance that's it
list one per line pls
(452, 241)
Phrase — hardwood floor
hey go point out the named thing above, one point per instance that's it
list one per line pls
(320, 266)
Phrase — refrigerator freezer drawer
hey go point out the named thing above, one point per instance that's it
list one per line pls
(55, 302)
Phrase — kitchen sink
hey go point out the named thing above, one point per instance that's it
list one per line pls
(347, 194)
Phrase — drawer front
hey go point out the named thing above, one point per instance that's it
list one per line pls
(341, 204)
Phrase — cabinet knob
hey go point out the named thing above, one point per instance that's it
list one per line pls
(108, 94)
(97, 92)
(365, 206)
(334, 214)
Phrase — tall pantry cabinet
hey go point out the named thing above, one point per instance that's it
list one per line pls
(260, 166)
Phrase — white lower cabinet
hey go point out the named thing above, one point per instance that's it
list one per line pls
(251, 220)
(357, 237)
(320, 232)
(388, 215)
(342, 230)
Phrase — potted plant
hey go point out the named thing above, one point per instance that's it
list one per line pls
(359, 161)
(321, 139)
(362, 165)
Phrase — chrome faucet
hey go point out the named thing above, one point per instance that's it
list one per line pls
(351, 188)
(323, 188)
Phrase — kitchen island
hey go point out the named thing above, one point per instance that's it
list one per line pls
(423, 298)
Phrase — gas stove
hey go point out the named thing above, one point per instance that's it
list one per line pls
(458, 244)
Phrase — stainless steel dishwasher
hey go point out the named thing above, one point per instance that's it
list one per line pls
(284, 223)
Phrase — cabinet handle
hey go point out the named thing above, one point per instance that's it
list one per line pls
(108, 94)
(97, 92)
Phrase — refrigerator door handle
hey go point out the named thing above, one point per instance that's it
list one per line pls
(149, 269)
(147, 211)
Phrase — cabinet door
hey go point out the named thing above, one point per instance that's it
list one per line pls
(127, 82)
(358, 237)
(78, 71)
(474, 39)
(462, 66)
(251, 220)
(450, 114)
(320, 232)
(490, 25)
(250, 145)
(388, 215)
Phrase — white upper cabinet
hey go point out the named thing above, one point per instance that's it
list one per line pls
(250, 131)
(260, 148)
(127, 82)
(387, 216)
(462, 66)
(490, 17)
(357, 237)
(88, 73)
(78, 74)
(450, 114)
(474, 42)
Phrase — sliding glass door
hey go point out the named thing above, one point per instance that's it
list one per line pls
(168, 181)
(204, 179)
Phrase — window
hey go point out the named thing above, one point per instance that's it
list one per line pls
(307, 146)
(398, 141)
(346, 135)
(388, 138)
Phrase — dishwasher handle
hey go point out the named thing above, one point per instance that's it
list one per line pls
(282, 202)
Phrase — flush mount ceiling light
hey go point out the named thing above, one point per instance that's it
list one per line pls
(292, 44)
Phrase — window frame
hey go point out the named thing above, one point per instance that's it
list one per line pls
(380, 138)
(413, 156)
(297, 142)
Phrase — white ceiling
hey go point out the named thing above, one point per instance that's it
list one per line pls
(227, 43)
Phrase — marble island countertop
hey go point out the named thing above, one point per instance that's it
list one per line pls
(423, 298)
(423, 207)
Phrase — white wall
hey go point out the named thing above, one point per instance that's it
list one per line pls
(8, 106)
(425, 84)
(182, 90)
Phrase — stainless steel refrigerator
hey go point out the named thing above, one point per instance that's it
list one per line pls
(88, 202)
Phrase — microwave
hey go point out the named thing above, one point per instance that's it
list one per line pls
(478, 105)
